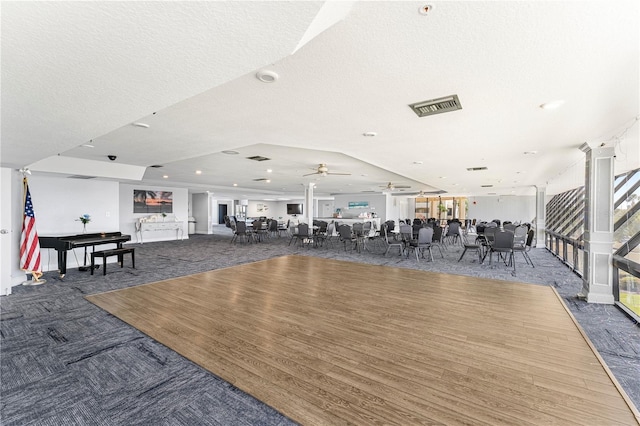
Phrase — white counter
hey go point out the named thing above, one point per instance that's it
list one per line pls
(351, 221)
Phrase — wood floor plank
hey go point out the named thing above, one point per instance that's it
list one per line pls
(333, 342)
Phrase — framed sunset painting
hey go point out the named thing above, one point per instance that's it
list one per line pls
(152, 201)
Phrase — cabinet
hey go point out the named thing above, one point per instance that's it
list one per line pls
(159, 226)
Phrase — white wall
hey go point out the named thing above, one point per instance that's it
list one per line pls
(11, 210)
(201, 212)
(59, 202)
(326, 208)
(274, 209)
(377, 204)
(128, 218)
(512, 208)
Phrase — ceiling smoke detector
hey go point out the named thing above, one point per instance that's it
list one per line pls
(266, 76)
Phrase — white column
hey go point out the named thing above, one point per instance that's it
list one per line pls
(541, 216)
(308, 204)
(598, 225)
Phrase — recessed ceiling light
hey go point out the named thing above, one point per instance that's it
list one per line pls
(268, 180)
(165, 176)
(369, 134)
(269, 170)
(228, 152)
(143, 125)
(198, 172)
(235, 184)
(552, 104)
(266, 76)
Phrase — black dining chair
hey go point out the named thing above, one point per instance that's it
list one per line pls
(503, 245)
(476, 246)
(346, 236)
(422, 243)
(522, 241)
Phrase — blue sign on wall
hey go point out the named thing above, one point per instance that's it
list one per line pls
(358, 204)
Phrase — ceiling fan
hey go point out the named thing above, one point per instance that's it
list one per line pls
(323, 170)
(420, 194)
(391, 187)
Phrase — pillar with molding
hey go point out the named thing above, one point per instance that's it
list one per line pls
(308, 204)
(598, 225)
(541, 216)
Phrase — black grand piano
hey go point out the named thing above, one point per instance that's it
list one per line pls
(64, 243)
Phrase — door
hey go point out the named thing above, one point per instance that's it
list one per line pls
(222, 212)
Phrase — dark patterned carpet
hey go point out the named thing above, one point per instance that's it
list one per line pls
(63, 361)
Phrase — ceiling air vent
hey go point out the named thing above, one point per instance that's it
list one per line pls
(81, 177)
(436, 106)
(260, 179)
(258, 158)
(486, 186)
(156, 166)
(475, 169)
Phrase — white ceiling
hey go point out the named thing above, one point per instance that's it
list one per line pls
(75, 72)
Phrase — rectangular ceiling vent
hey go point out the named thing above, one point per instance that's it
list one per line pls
(81, 177)
(260, 179)
(486, 186)
(475, 169)
(258, 158)
(156, 166)
(436, 106)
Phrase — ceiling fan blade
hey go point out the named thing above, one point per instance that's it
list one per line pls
(401, 186)
(309, 174)
(341, 174)
(421, 194)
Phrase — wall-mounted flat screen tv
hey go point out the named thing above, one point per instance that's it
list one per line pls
(294, 208)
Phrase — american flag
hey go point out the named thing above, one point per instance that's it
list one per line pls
(29, 243)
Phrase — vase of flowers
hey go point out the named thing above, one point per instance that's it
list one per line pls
(85, 218)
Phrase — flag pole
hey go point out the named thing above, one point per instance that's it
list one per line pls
(29, 243)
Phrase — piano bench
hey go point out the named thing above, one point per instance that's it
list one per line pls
(120, 252)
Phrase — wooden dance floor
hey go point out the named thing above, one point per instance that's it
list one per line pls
(329, 342)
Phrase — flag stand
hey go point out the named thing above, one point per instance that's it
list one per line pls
(32, 281)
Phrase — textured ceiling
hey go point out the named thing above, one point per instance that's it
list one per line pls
(79, 71)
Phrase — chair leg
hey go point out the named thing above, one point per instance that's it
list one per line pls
(462, 255)
(528, 258)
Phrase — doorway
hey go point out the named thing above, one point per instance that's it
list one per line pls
(222, 212)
